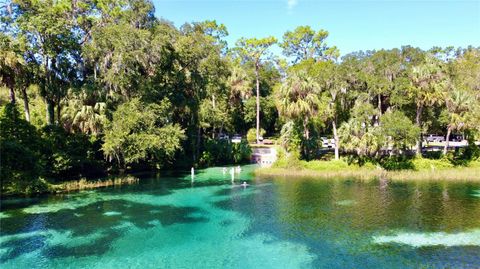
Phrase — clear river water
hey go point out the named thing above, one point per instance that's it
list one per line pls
(168, 221)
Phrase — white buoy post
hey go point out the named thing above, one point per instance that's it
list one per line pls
(193, 173)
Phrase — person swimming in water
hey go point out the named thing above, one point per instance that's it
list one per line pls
(244, 184)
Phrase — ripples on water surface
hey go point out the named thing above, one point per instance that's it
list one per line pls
(170, 222)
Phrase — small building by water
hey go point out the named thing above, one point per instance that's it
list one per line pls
(264, 156)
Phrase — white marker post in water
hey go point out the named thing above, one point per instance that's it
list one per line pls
(193, 174)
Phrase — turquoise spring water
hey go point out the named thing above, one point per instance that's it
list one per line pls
(168, 221)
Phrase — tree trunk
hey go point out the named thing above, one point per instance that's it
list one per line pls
(335, 137)
(197, 147)
(50, 112)
(122, 165)
(258, 102)
(58, 112)
(306, 132)
(447, 140)
(379, 97)
(12, 94)
(25, 104)
(379, 107)
(418, 122)
(306, 136)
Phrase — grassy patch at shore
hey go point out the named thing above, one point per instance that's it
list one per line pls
(83, 184)
(423, 170)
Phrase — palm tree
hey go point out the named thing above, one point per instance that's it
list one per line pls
(358, 134)
(91, 119)
(87, 119)
(427, 84)
(334, 85)
(299, 98)
(458, 105)
(240, 83)
(11, 63)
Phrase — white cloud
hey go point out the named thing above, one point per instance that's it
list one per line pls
(292, 3)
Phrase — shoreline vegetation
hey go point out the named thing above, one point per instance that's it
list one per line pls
(84, 184)
(425, 170)
(45, 187)
(106, 92)
(342, 170)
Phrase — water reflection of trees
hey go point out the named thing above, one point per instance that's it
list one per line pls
(312, 204)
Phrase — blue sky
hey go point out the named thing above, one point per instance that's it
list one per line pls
(353, 25)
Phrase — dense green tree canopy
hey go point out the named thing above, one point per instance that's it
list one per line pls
(305, 43)
(137, 132)
(104, 85)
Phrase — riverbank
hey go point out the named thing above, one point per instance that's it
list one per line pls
(341, 170)
(42, 186)
(84, 184)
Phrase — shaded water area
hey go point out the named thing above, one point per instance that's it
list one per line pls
(168, 221)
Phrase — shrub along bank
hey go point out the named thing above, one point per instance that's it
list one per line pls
(408, 169)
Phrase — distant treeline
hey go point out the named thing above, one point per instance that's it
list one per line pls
(103, 86)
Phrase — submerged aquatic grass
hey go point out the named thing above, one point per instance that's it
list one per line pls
(476, 193)
(211, 223)
(4, 215)
(469, 238)
(185, 228)
(346, 202)
(84, 184)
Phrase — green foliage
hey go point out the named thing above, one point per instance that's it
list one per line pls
(291, 137)
(327, 165)
(87, 119)
(123, 50)
(268, 113)
(20, 151)
(290, 160)
(429, 164)
(317, 165)
(11, 61)
(213, 114)
(390, 163)
(139, 131)
(304, 43)
(68, 155)
(397, 163)
(254, 49)
(216, 152)
(299, 99)
(466, 155)
(252, 135)
(241, 152)
(113, 81)
(359, 135)
(400, 131)
(221, 152)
